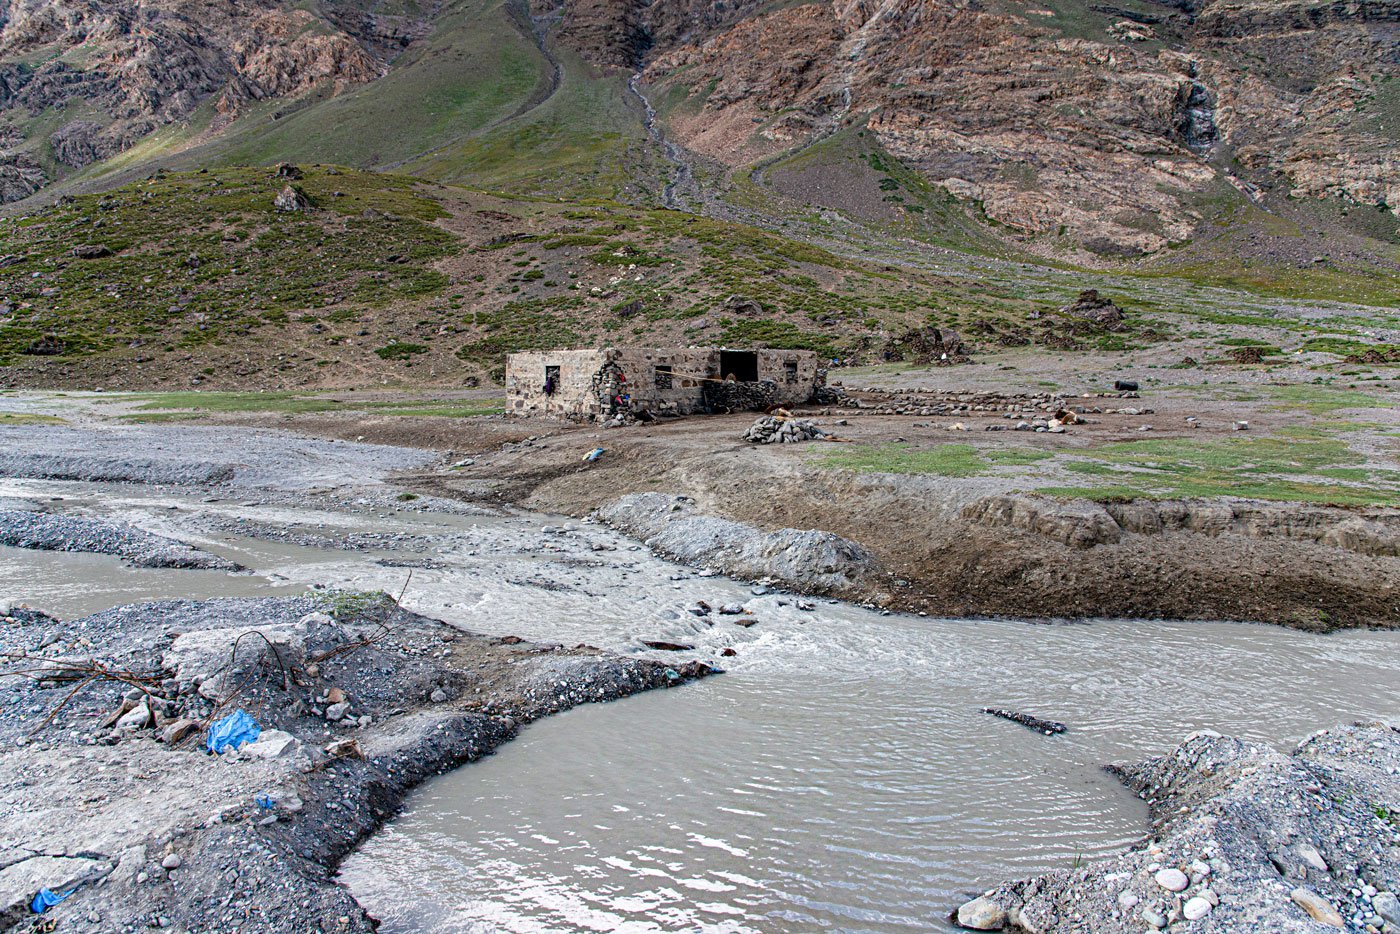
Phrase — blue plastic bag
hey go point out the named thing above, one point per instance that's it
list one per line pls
(594, 454)
(234, 730)
(46, 899)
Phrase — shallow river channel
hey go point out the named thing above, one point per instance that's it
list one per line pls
(839, 777)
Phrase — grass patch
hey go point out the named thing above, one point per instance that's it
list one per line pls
(28, 418)
(1324, 400)
(398, 350)
(783, 335)
(1343, 347)
(474, 70)
(1304, 468)
(944, 460)
(233, 402)
(1361, 286)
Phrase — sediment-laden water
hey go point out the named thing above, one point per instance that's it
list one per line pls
(841, 775)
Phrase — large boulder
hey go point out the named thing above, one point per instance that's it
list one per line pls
(982, 914)
(292, 199)
(1095, 309)
(218, 659)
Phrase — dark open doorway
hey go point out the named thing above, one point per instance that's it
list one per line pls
(742, 365)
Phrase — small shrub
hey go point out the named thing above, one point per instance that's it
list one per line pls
(398, 350)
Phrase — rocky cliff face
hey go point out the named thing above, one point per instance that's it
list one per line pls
(1096, 129)
(81, 81)
(1103, 126)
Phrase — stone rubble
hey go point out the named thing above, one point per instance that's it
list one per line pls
(151, 831)
(1244, 838)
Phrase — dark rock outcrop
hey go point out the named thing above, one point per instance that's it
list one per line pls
(136, 65)
(1095, 309)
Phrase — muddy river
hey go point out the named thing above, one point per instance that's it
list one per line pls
(839, 777)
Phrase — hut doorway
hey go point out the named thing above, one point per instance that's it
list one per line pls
(741, 365)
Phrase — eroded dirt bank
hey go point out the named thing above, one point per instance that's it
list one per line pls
(955, 546)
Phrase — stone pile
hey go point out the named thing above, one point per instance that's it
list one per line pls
(770, 429)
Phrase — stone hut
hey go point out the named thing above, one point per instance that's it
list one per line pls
(612, 381)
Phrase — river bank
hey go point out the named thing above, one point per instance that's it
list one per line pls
(1244, 838)
(303, 512)
(107, 789)
(949, 541)
(1292, 521)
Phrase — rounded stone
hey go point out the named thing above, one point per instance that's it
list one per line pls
(1173, 880)
(1388, 907)
(982, 914)
(1195, 908)
(1317, 907)
(172, 861)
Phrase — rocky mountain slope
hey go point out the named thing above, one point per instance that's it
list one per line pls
(1080, 127)
(82, 81)
(1166, 135)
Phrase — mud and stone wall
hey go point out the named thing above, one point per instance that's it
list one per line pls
(669, 381)
(572, 394)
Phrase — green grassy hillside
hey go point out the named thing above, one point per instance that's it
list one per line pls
(204, 277)
(390, 278)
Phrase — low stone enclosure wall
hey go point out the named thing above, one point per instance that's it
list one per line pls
(622, 381)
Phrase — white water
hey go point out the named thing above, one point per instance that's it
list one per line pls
(839, 777)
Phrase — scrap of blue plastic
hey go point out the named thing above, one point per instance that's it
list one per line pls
(46, 899)
(265, 802)
(232, 731)
(594, 454)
